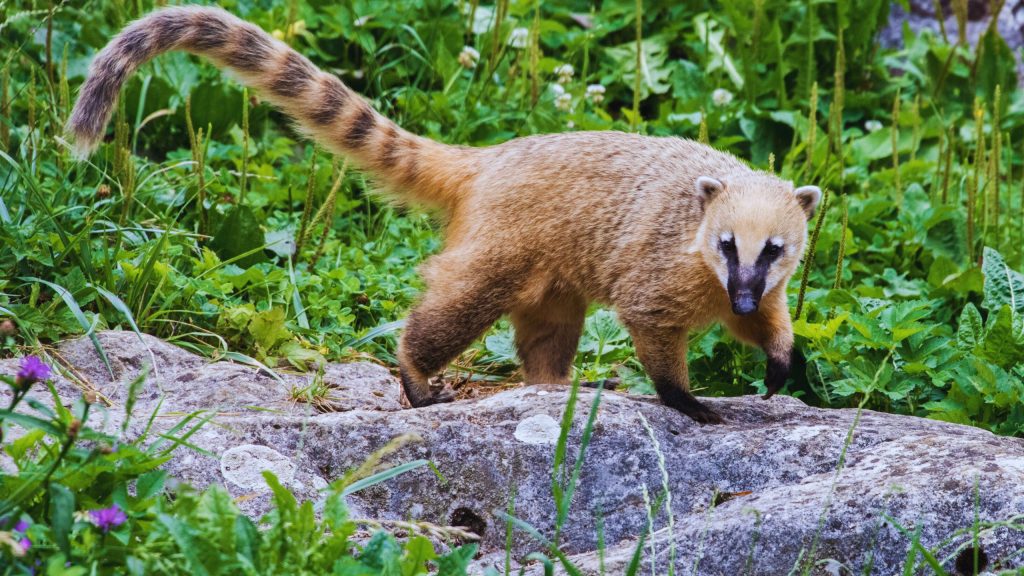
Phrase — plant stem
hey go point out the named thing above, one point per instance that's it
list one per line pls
(634, 120)
(809, 256)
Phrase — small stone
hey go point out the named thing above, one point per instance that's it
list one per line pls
(244, 466)
(538, 429)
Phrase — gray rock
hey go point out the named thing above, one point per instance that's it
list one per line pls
(801, 505)
(244, 465)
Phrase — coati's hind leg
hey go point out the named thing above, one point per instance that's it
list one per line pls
(547, 336)
(457, 308)
(662, 351)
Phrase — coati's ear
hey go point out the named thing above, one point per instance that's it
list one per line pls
(808, 197)
(707, 188)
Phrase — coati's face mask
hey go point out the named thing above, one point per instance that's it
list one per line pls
(752, 234)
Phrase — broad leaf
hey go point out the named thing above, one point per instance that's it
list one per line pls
(1002, 285)
(240, 238)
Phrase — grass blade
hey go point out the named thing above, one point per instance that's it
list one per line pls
(76, 310)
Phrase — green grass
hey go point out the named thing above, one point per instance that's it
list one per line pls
(132, 238)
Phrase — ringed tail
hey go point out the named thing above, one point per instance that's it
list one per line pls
(326, 109)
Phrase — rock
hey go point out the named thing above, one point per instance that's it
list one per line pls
(755, 495)
(244, 465)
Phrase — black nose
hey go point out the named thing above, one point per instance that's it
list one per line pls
(743, 304)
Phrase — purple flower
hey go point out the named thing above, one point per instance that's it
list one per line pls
(21, 528)
(32, 370)
(107, 518)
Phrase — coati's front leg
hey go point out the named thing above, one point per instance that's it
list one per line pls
(662, 351)
(770, 329)
(448, 319)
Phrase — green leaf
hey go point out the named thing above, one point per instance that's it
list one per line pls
(62, 510)
(972, 329)
(996, 66)
(250, 361)
(30, 422)
(501, 346)
(1004, 339)
(815, 331)
(383, 552)
(1002, 285)
(240, 238)
(150, 484)
(300, 357)
(247, 540)
(382, 476)
(654, 70)
(602, 333)
(182, 535)
(133, 395)
(268, 328)
(457, 561)
(418, 551)
(76, 311)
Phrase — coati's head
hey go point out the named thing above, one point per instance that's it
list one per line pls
(752, 233)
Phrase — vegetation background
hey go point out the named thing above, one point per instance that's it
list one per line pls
(217, 227)
(206, 220)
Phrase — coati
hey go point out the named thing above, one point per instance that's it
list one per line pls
(672, 233)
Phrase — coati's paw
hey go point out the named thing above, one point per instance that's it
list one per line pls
(779, 370)
(609, 383)
(442, 396)
(418, 396)
(701, 413)
(698, 411)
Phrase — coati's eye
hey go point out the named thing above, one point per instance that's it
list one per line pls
(727, 244)
(772, 250)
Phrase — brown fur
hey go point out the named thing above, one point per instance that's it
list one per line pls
(537, 226)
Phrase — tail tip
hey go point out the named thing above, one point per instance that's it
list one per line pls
(82, 143)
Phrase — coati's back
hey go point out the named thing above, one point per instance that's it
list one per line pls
(584, 203)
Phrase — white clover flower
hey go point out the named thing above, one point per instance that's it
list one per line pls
(557, 90)
(469, 57)
(520, 38)
(721, 97)
(564, 73)
(872, 125)
(564, 102)
(596, 93)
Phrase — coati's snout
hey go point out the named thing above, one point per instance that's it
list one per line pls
(745, 291)
(745, 283)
